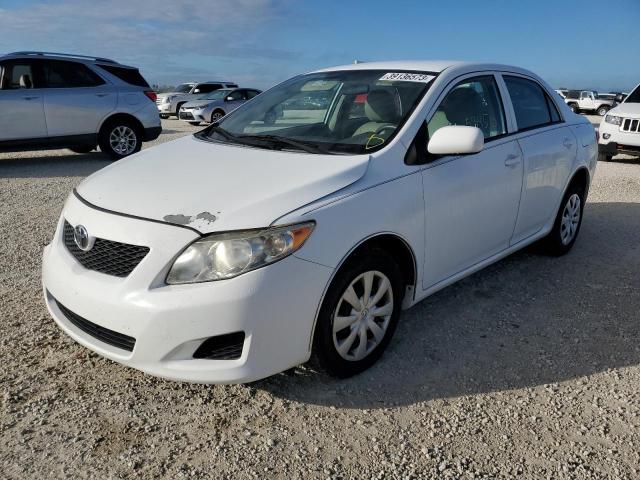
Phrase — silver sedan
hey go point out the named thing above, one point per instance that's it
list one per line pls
(211, 107)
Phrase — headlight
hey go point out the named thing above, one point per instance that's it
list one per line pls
(613, 119)
(227, 255)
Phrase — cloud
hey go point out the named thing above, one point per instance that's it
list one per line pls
(160, 36)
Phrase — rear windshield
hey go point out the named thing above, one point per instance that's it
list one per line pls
(130, 75)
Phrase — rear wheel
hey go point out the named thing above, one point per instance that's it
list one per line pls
(120, 138)
(359, 314)
(567, 224)
(602, 111)
(574, 107)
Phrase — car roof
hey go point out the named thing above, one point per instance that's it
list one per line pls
(86, 59)
(434, 66)
(215, 81)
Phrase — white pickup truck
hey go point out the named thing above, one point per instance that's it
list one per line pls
(587, 101)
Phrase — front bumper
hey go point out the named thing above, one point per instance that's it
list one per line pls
(617, 141)
(191, 115)
(274, 306)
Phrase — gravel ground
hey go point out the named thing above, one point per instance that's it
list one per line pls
(529, 368)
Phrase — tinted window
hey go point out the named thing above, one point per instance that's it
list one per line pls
(473, 102)
(17, 75)
(252, 93)
(208, 87)
(62, 74)
(634, 97)
(530, 103)
(237, 95)
(555, 115)
(129, 75)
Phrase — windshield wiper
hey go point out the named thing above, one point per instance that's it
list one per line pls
(283, 141)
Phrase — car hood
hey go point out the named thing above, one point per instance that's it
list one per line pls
(628, 110)
(198, 103)
(214, 187)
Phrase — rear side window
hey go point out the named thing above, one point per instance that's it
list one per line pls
(129, 75)
(531, 104)
(63, 74)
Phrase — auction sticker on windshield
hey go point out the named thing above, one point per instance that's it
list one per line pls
(408, 77)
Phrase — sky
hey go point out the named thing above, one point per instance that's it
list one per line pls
(582, 44)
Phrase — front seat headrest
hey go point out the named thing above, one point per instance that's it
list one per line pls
(25, 81)
(462, 107)
(381, 106)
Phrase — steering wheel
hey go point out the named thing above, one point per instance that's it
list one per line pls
(382, 129)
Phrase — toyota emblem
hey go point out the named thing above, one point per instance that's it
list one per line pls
(82, 238)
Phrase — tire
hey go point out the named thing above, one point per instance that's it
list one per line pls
(111, 137)
(567, 224)
(604, 158)
(164, 116)
(574, 107)
(83, 149)
(382, 273)
(602, 111)
(195, 124)
(216, 115)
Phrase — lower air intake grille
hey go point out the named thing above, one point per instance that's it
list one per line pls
(113, 258)
(221, 347)
(125, 342)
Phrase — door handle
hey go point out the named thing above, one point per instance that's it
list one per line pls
(512, 160)
(102, 94)
(30, 98)
(567, 143)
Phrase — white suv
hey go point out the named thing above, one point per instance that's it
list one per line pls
(263, 241)
(620, 128)
(55, 100)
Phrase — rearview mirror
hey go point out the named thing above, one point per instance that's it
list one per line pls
(456, 140)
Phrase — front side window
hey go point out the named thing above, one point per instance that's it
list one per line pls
(63, 74)
(17, 75)
(473, 102)
(236, 95)
(349, 111)
(252, 93)
(530, 103)
(184, 88)
(207, 87)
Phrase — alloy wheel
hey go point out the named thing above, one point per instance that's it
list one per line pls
(362, 315)
(123, 140)
(570, 219)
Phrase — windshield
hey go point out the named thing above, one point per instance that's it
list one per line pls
(634, 97)
(351, 111)
(217, 95)
(184, 88)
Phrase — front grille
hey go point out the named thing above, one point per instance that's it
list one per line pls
(106, 256)
(221, 347)
(631, 125)
(186, 115)
(120, 340)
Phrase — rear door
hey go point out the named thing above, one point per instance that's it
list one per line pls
(21, 101)
(471, 201)
(549, 149)
(76, 100)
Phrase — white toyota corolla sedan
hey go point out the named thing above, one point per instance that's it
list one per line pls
(300, 225)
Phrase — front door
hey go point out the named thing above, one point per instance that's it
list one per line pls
(471, 201)
(21, 102)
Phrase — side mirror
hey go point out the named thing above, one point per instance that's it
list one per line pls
(229, 99)
(619, 98)
(197, 90)
(456, 140)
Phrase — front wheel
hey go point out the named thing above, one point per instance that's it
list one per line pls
(574, 108)
(216, 116)
(567, 224)
(602, 111)
(119, 139)
(359, 314)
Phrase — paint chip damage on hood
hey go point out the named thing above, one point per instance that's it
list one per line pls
(214, 187)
